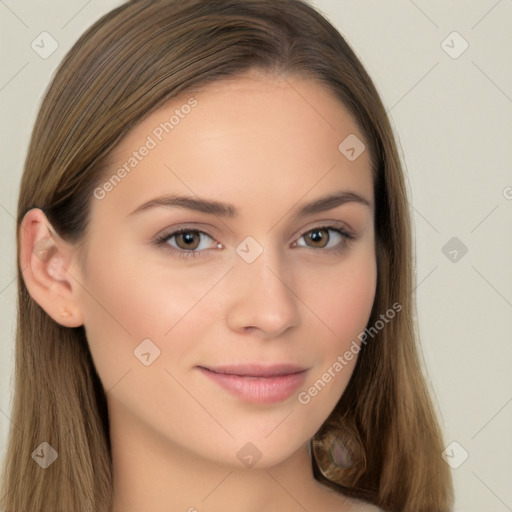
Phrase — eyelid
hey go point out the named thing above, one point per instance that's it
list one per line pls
(325, 223)
(206, 229)
(203, 228)
(345, 230)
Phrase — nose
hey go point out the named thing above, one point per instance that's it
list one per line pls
(260, 297)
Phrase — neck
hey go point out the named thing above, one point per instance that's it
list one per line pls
(152, 473)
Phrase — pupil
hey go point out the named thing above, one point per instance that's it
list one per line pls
(317, 236)
(187, 240)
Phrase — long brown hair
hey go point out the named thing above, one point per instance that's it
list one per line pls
(128, 64)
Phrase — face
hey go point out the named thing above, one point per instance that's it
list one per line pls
(216, 325)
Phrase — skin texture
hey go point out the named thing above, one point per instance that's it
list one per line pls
(266, 145)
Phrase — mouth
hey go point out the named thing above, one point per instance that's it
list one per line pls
(256, 383)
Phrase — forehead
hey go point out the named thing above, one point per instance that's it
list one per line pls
(236, 139)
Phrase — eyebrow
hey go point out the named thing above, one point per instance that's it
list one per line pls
(229, 210)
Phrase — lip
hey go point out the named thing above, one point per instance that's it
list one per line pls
(256, 383)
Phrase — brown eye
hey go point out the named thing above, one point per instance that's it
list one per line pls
(319, 237)
(326, 239)
(188, 240)
(187, 243)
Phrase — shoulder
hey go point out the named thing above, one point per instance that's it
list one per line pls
(332, 501)
(364, 506)
(345, 504)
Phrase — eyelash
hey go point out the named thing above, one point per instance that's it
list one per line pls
(161, 241)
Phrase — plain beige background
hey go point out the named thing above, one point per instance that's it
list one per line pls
(449, 96)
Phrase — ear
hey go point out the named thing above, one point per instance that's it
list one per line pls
(45, 259)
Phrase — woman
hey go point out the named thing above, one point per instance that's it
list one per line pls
(215, 285)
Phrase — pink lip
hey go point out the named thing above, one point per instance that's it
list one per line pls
(257, 383)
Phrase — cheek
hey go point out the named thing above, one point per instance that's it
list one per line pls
(344, 301)
(124, 303)
(351, 304)
(344, 306)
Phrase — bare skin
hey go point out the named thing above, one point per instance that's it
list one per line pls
(267, 146)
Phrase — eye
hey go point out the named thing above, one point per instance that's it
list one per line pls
(186, 242)
(326, 239)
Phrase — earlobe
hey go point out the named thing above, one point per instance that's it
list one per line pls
(45, 259)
